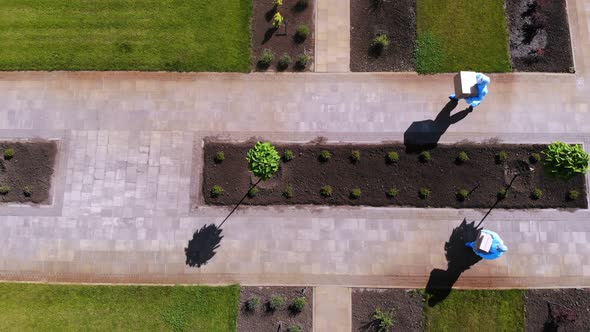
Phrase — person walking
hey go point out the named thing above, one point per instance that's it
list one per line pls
(482, 91)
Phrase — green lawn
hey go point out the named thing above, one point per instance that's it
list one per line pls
(41, 307)
(456, 35)
(171, 35)
(483, 311)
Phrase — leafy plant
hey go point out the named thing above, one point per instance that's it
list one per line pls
(28, 190)
(219, 157)
(383, 320)
(355, 193)
(276, 301)
(501, 157)
(425, 156)
(381, 42)
(9, 154)
(534, 158)
(537, 194)
(284, 62)
(288, 192)
(295, 328)
(288, 155)
(573, 195)
(502, 194)
(252, 304)
(298, 304)
(462, 157)
(424, 193)
(326, 191)
(355, 156)
(266, 58)
(462, 194)
(263, 160)
(392, 192)
(278, 2)
(303, 60)
(392, 157)
(277, 20)
(5, 190)
(325, 155)
(217, 191)
(253, 192)
(565, 160)
(302, 33)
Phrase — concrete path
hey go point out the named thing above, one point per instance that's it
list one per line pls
(130, 159)
(332, 36)
(332, 310)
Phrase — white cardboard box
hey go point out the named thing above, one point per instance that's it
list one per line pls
(465, 84)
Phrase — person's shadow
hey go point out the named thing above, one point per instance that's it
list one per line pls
(459, 259)
(203, 245)
(424, 135)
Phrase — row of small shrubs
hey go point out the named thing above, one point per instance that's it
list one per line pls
(276, 302)
(268, 56)
(27, 190)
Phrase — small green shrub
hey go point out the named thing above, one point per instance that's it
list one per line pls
(278, 2)
(501, 157)
(28, 190)
(5, 190)
(534, 158)
(392, 192)
(565, 160)
(573, 195)
(355, 156)
(263, 160)
(302, 4)
(8, 154)
(288, 192)
(326, 191)
(383, 320)
(355, 193)
(303, 60)
(381, 42)
(502, 194)
(298, 304)
(217, 191)
(288, 155)
(219, 157)
(424, 193)
(462, 194)
(425, 156)
(284, 62)
(276, 302)
(302, 33)
(295, 328)
(462, 157)
(325, 155)
(266, 58)
(277, 20)
(537, 194)
(253, 192)
(392, 157)
(252, 303)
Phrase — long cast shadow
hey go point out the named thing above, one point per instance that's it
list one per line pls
(423, 135)
(203, 245)
(459, 259)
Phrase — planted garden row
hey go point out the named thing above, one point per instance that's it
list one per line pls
(459, 176)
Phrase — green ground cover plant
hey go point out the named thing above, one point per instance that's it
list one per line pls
(42, 307)
(192, 35)
(454, 35)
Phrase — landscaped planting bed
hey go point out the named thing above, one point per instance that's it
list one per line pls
(267, 308)
(539, 35)
(405, 307)
(409, 181)
(571, 307)
(293, 39)
(26, 169)
(396, 20)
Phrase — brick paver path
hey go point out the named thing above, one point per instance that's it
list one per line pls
(122, 211)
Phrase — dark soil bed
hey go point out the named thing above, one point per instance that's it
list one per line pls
(28, 173)
(374, 176)
(406, 306)
(573, 305)
(283, 40)
(368, 19)
(263, 319)
(539, 35)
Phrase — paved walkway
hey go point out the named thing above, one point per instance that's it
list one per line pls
(333, 309)
(130, 160)
(332, 36)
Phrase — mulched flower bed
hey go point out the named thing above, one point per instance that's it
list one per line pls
(539, 35)
(374, 176)
(406, 305)
(264, 319)
(282, 40)
(570, 306)
(27, 175)
(397, 19)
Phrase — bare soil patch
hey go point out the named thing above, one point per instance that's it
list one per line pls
(374, 176)
(572, 305)
(406, 305)
(282, 40)
(396, 19)
(28, 173)
(539, 35)
(263, 319)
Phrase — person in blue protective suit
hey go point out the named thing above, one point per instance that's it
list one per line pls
(482, 91)
(496, 250)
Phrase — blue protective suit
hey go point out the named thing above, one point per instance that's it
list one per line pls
(482, 90)
(498, 248)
